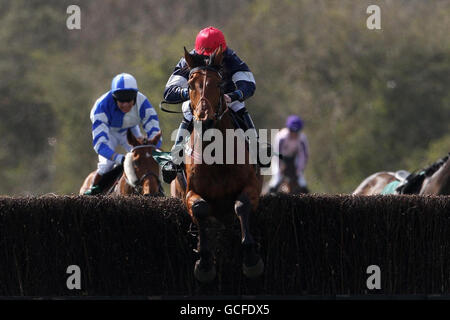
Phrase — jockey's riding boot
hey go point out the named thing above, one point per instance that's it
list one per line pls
(264, 148)
(169, 169)
(95, 188)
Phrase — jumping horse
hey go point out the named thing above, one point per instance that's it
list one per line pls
(139, 173)
(432, 180)
(211, 192)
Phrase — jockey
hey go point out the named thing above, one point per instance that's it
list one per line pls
(239, 86)
(290, 142)
(116, 111)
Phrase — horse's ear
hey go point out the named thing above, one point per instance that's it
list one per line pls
(189, 58)
(156, 138)
(218, 56)
(132, 139)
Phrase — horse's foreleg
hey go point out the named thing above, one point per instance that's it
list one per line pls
(253, 265)
(243, 209)
(122, 187)
(199, 210)
(87, 183)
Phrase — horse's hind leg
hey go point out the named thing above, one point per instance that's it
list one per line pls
(199, 209)
(253, 265)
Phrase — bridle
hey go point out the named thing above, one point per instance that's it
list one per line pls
(137, 185)
(204, 71)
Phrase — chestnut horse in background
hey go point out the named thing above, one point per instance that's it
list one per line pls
(375, 183)
(433, 180)
(139, 174)
(213, 191)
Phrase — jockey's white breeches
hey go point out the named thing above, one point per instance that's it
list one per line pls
(116, 139)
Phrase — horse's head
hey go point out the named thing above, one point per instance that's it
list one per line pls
(205, 86)
(141, 169)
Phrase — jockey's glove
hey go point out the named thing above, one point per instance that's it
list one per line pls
(185, 93)
(236, 95)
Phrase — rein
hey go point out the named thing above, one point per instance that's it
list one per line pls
(191, 72)
(144, 146)
(167, 110)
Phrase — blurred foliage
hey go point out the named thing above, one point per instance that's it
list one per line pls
(372, 100)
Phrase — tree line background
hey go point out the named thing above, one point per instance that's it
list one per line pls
(372, 100)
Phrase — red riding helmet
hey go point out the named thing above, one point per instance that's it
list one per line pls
(208, 40)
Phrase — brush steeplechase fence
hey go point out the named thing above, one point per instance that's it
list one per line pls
(311, 245)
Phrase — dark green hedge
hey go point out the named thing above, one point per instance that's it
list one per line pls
(311, 245)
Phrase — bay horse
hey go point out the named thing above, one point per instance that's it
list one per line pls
(212, 191)
(139, 174)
